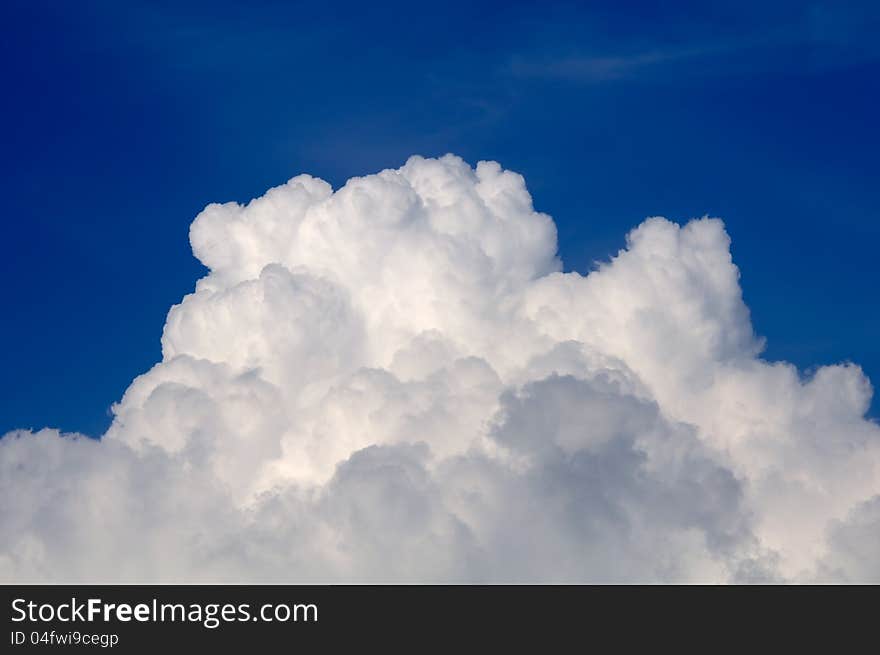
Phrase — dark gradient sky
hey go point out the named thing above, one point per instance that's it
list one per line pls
(122, 120)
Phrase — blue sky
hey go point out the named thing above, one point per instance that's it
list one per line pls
(122, 120)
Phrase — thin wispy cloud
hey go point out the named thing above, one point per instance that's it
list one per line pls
(834, 36)
(601, 68)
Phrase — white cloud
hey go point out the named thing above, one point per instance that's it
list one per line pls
(395, 381)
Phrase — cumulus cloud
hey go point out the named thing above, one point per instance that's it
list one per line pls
(396, 381)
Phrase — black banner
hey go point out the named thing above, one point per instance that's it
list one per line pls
(414, 618)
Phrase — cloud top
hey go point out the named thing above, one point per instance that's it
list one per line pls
(396, 381)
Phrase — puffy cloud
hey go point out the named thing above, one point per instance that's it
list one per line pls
(396, 381)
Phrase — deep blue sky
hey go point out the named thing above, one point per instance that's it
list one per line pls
(121, 120)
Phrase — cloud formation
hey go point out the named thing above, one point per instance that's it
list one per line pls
(396, 381)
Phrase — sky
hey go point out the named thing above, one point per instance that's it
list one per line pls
(466, 293)
(123, 120)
